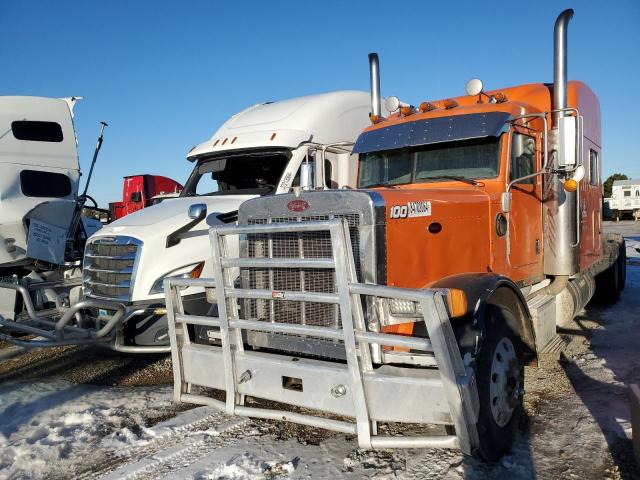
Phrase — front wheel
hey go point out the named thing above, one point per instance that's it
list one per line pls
(500, 377)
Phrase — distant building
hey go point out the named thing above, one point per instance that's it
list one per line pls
(625, 199)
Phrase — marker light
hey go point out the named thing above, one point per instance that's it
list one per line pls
(406, 110)
(449, 103)
(500, 97)
(426, 106)
(374, 118)
(457, 302)
(570, 185)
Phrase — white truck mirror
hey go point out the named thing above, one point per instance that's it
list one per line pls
(306, 176)
(197, 211)
(567, 142)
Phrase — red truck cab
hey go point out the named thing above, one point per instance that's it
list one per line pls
(139, 192)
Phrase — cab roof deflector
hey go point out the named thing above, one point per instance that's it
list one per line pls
(432, 130)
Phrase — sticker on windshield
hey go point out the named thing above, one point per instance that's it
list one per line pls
(411, 210)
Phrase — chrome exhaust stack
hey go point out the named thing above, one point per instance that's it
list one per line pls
(561, 223)
(560, 63)
(374, 73)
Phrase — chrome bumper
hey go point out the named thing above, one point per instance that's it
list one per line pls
(53, 327)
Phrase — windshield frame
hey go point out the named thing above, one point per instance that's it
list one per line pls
(195, 175)
(414, 150)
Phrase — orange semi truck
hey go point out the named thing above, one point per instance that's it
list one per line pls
(417, 298)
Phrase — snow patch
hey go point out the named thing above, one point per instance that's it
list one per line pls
(248, 467)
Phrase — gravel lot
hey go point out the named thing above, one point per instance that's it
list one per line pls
(86, 412)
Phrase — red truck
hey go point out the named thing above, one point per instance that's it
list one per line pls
(140, 191)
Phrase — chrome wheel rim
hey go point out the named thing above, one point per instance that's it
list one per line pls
(504, 382)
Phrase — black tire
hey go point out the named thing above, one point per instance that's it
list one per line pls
(496, 437)
(622, 266)
(608, 283)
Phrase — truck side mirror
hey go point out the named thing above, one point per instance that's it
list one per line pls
(567, 141)
(136, 197)
(306, 176)
(506, 202)
(197, 211)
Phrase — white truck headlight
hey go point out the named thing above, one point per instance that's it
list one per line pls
(190, 271)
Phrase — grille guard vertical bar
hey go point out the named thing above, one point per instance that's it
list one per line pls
(217, 246)
(344, 277)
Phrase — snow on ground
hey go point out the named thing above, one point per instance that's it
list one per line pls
(48, 428)
(69, 425)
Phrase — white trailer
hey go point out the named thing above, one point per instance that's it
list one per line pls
(625, 199)
(266, 149)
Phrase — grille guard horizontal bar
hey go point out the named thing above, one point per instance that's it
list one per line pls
(388, 339)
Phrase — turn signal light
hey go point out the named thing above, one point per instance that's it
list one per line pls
(457, 302)
(197, 271)
(570, 185)
(426, 106)
(374, 118)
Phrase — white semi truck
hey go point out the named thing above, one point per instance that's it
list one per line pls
(266, 149)
(42, 231)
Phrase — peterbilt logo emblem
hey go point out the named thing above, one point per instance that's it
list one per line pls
(297, 205)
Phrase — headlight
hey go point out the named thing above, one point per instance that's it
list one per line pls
(190, 271)
(404, 308)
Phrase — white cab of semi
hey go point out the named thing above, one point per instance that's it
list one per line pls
(258, 151)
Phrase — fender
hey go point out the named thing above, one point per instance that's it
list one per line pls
(481, 290)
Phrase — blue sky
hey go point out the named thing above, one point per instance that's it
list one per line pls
(165, 75)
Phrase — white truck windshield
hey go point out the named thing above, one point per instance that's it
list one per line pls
(472, 159)
(254, 173)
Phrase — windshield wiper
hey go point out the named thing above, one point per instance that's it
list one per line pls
(470, 181)
(381, 184)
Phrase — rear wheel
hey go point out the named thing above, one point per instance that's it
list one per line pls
(500, 377)
(611, 282)
(622, 267)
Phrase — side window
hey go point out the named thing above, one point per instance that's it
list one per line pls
(36, 183)
(35, 131)
(627, 193)
(523, 157)
(594, 168)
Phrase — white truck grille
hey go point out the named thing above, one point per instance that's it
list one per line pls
(109, 266)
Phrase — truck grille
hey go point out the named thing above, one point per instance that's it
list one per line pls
(300, 245)
(109, 264)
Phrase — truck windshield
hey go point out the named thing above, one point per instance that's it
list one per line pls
(473, 159)
(244, 174)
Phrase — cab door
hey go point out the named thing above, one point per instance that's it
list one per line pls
(525, 217)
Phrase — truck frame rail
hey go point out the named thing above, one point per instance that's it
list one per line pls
(356, 388)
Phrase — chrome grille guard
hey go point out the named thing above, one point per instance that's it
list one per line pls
(446, 395)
